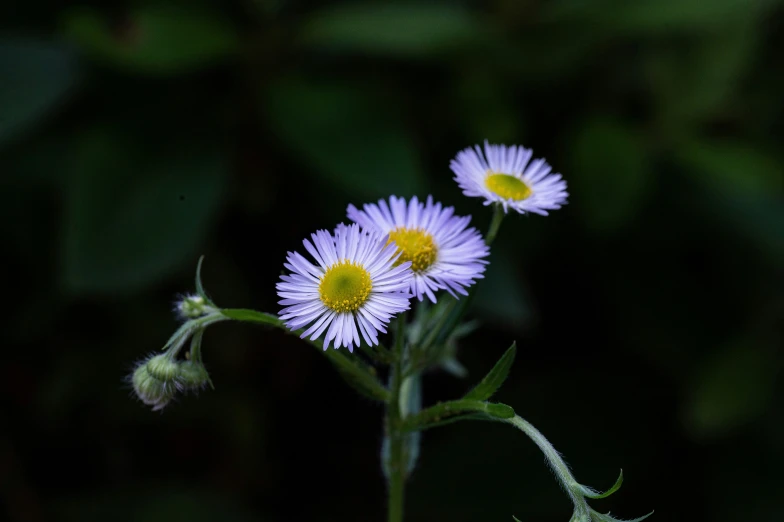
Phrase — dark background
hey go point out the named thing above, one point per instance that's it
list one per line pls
(648, 312)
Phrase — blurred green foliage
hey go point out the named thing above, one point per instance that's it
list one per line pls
(137, 135)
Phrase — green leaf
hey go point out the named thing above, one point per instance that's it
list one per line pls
(34, 77)
(461, 409)
(199, 286)
(744, 181)
(734, 386)
(131, 219)
(609, 177)
(155, 39)
(591, 493)
(495, 378)
(352, 139)
(394, 29)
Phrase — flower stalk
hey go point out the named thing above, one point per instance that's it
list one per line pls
(396, 464)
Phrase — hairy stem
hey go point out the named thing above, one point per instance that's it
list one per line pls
(557, 464)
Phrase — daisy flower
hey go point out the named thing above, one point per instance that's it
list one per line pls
(443, 252)
(355, 286)
(506, 175)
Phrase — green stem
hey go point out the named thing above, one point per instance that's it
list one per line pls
(495, 224)
(455, 314)
(559, 467)
(397, 459)
(351, 366)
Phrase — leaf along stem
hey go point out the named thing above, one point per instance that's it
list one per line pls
(352, 367)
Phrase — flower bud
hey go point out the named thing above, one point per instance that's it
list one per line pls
(192, 376)
(192, 306)
(150, 390)
(162, 367)
(154, 381)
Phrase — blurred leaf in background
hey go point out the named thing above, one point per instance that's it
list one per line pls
(611, 173)
(35, 75)
(156, 39)
(347, 134)
(402, 30)
(132, 215)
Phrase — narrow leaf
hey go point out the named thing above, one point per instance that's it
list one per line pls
(591, 493)
(493, 380)
(436, 415)
(199, 286)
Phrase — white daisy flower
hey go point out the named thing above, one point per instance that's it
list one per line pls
(444, 254)
(506, 175)
(356, 286)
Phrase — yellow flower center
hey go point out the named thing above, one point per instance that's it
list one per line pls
(415, 245)
(508, 187)
(345, 286)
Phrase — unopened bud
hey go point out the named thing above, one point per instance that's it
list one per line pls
(151, 390)
(192, 306)
(192, 376)
(162, 367)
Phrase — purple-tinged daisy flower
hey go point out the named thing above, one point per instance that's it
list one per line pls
(355, 286)
(443, 252)
(506, 175)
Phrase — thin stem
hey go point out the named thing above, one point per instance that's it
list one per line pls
(435, 332)
(495, 224)
(557, 464)
(351, 366)
(454, 315)
(397, 458)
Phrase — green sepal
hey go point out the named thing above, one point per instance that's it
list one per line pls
(607, 518)
(445, 411)
(592, 493)
(493, 380)
(199, 286)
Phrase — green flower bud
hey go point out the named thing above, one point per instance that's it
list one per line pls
(151, 390)
(162, 368)
(193, 306)
(192, 375)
